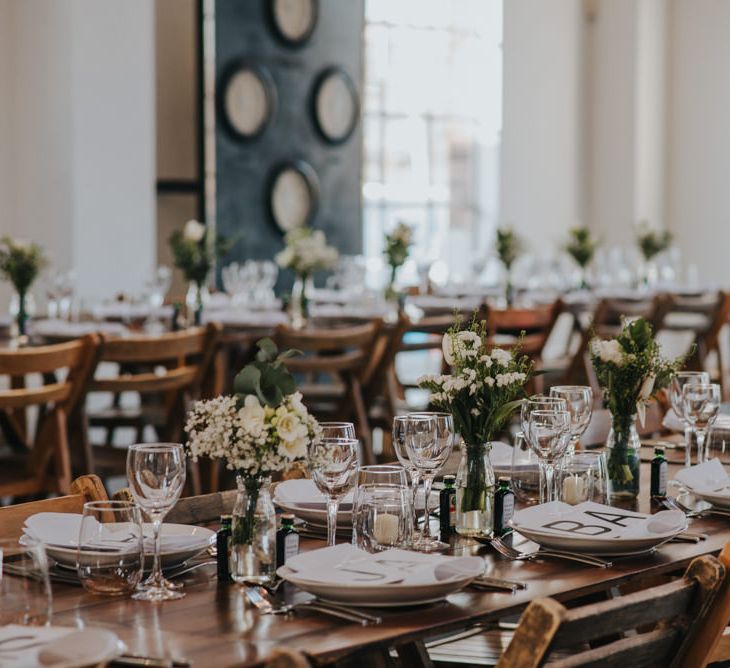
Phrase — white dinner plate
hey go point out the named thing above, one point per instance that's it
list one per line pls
(718, 499)
(169, 557)
(392, 595)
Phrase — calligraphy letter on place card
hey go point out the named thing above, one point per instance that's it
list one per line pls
(618, 518)
(573, 526)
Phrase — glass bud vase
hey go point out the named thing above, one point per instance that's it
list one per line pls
(475, 492)
(622, 448)
(253, 532)
(299, 302)
(195, 300)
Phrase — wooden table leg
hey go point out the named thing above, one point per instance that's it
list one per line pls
(414, 654)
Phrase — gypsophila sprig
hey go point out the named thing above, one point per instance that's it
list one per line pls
(262, 429)
(485, 387)
(306, 251)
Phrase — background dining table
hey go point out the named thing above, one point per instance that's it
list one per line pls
(215, 625)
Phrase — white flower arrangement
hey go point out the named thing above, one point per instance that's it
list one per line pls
(485, 386)
(263, 429)
(306, 251)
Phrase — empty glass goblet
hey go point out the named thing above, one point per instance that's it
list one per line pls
(526, 471)
(679, 380)
(701, 402)
(25, 590)
(400, 422)
(549, 433)
(156, 477)
(579, 403)
(338, 430)
(539, 402)
(333, 465)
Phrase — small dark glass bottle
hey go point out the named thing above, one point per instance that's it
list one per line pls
(287, 540)
(223, 548)
(659, 474)
(175, 322)
(504, 507)
(447, 507)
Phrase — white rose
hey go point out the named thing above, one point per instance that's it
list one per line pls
(608, 351)
(252, 414)
(295, 401)
(296, 449)
(290, 428)
(194, 231)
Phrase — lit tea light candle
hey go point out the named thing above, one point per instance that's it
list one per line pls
(387, 529)
(574, 490)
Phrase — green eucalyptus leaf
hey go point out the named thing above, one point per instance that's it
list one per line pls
(267, 350)
(248, 380)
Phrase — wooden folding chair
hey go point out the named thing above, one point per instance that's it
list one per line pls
(340, 356)
(606, 323)
(83, 489)
(194, 509)
(656, 626)
(43, 465)
(169, 368)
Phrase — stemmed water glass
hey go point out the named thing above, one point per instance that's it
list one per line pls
(333, 465)
(539, 402)
(549, 433)
(679, 380)
(156, 476)
(400, 422)
(429, 440)
(579, 403)
(701, 402)
(338, 430)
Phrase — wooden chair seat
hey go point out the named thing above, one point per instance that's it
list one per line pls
(650, 627)
(83, 489)
(42, 465)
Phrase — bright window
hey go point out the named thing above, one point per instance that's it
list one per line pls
(432, 122)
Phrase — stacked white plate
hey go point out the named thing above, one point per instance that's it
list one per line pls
(347, 575)
(709, 482)
(59, 532)
(593, 528)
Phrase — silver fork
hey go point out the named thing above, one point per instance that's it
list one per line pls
(514, 554)
(675, 504)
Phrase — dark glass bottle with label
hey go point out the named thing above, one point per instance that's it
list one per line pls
(504, 507)
(222, 546)
(659, 468)
(287, 540)
(447, 507)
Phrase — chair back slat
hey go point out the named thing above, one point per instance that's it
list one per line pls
(33, 396)
(194, 509)
(656, 625)
(155, 349)
(172, 379)
(83, 489)
(41, 359)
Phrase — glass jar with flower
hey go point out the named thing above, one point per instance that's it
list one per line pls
(262, 429)
(630, 371)
(397, 246)
(20, 263)
(194, 251)
(305, 252)
(482, 392)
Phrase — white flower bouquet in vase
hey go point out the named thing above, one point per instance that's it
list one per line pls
(306, 252)
(262, 429)
(482, 392)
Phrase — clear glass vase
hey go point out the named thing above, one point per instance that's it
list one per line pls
(196, 298)
(623, 452)
(253, 532)
(22, 308)
(299, 301)
(475, 492)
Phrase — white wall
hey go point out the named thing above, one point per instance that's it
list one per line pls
(78, 96)
(698, 134)
(541, 188)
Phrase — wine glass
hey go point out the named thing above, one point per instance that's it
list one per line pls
(679, 380)
(701, 402)
(429, 439)
(549, 433)
(539, 402)
(338, 430)
(382, 514)
(579, 403)
(25, 590)
(526, 471)
(333, 465)
(400, 423)
(156, 476)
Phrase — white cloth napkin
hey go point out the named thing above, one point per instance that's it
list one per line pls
(304, 493)
(501, 456)
(61, 646)
(348, 310)
(346, 564)
(62, 530)
(593, 521)
(245, 318)
(672, 422)
(125, 310)
(708, 477)
(72, 329)
(445, 303)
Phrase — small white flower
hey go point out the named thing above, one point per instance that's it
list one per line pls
(608, 351)
(447, 347)
(194, 231)
(501, 357)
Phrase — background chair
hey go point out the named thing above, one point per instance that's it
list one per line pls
(41, 465)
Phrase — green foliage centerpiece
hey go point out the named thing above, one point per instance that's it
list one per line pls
(20, 263)
(484, 389)
(509, 247)
(194, 251)
(397, 246)
(581, 247)
(630, 371)
(262, 429)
